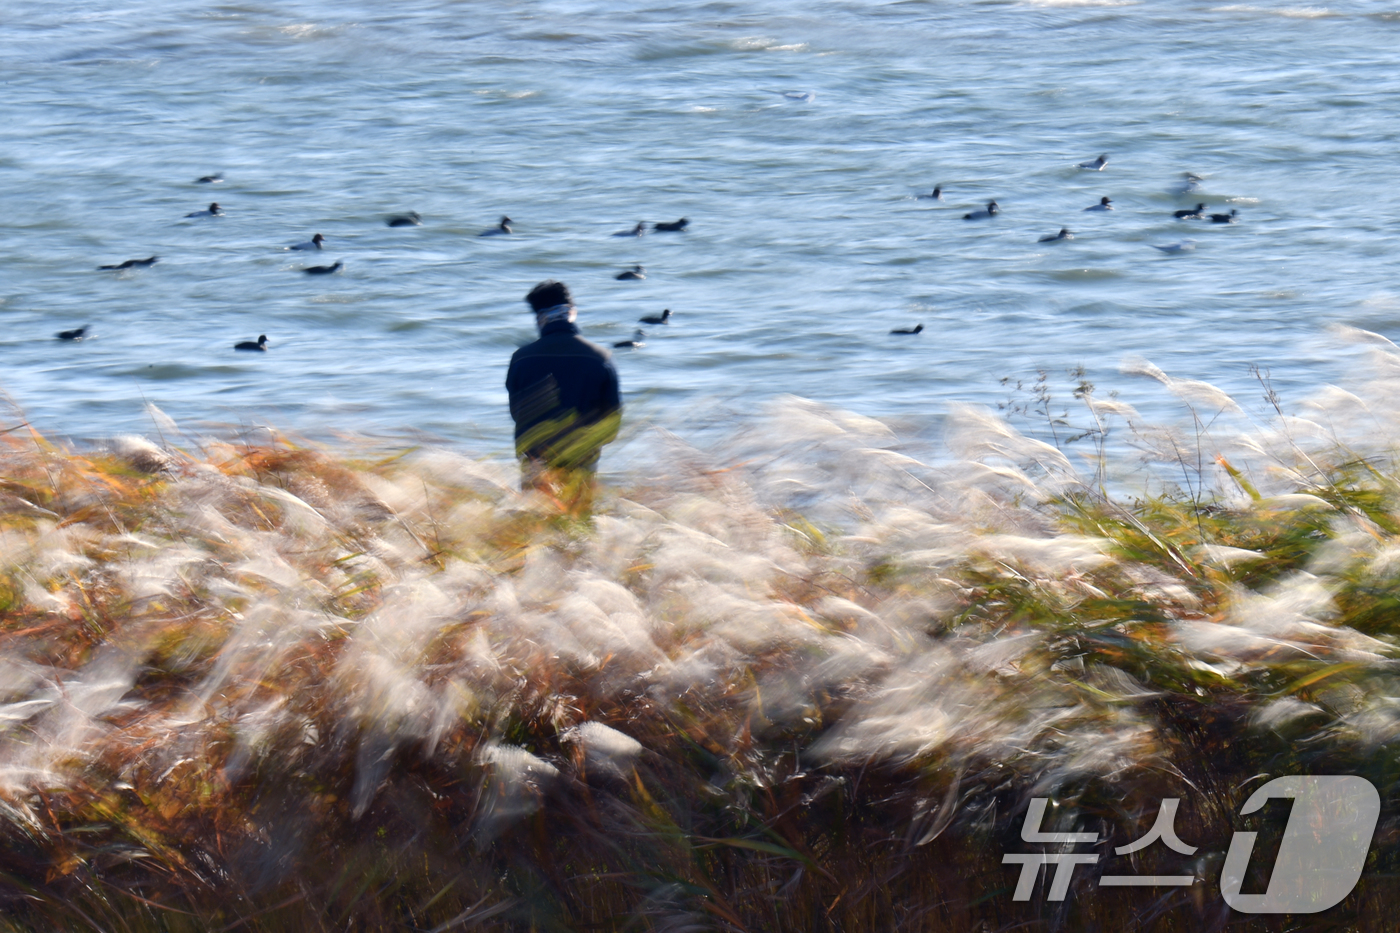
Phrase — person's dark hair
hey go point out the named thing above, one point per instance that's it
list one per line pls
(547, 294)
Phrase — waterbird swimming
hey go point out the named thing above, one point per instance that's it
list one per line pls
(917, 328)
(1195, 214)
(1095, 165)
(132, 263)
(500, 229)
(638, 230)
(1064, 234)
(209, 180)
(411, 219)
(635, 274)
(1224, 218)
(1184, 246)
(77, 334)
(676, 227)
(260, 344)
(936, 196)
(213, 211)
(1105, 204)
(990, 211)
(324, 270)
(636, 341)
(663, 318)
(313, 243)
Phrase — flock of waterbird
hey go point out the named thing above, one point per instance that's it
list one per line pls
(408, 219)
(1190, 184)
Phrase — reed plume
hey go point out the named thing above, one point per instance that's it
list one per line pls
(807, 678)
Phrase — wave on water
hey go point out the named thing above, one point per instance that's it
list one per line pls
(1082, 3)
(1083, 275)
(315, 30)
(1293, 12)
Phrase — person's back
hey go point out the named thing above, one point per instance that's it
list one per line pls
(563, 391)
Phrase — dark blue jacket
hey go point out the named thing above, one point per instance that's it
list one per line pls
(563, 397)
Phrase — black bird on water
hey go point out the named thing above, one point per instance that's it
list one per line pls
(635, 274)
(78, 334)
(1064, 234)
(260, 345)
(313, 243)
(214, 211)
(132, 263)
(1224, 218)
(991, 211)
(917, 328)
(501, 229)
(936, 196)
(663, 318)
(676, 227)
(1195, 214)
(639, 230)
(324, 270)
(636, 341)
(411, 219)
(209, 180)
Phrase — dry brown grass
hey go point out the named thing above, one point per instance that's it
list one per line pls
(802, 682)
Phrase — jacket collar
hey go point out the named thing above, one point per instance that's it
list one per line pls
(559, 327)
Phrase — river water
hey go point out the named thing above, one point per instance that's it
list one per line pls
(794, 137)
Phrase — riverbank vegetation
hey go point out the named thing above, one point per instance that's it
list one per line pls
(801, 680)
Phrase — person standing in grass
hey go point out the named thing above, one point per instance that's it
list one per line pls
(564, 400)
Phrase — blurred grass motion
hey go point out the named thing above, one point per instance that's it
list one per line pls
(802, 681)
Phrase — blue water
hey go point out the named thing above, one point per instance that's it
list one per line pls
(579, 119)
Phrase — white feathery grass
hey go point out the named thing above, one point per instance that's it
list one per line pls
(309, 606)
(1351, 334)
(605, 749)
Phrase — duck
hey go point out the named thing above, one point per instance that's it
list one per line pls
(638, 230)
(209, 180)
(411, 219)
(636, 341)
(635, 274)
(1224, 218)
(260, 345)
(936, 196)
(1064, 234)
(1185, 246)
(1195, 214)
(500, 229)
(663, 318)
(213, 211)
(133, 263)
(324, 270)
(676, 227)
(916, 329)
(1105, 204)
(991, 210)
(313, 243)
(1094, 165)
(76, 334)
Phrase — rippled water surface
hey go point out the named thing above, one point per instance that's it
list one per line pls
(807, 243)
